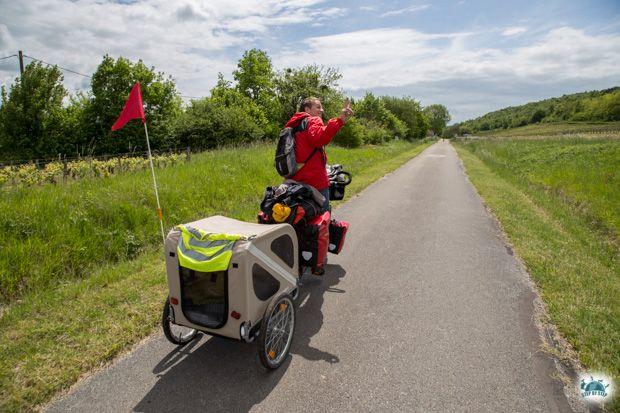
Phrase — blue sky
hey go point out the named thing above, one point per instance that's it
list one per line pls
(472, 56)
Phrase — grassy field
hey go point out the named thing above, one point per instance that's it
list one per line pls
(82, 276)
(50, 234)
(558, 200)
(587, 129)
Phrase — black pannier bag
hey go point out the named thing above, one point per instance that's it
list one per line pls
(338, 180)
(336, 192)
(308, 244)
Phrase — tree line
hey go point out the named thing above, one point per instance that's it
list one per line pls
(39, 119)
(602, 106)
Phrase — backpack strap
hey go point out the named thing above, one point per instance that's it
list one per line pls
(311, 155)
(302, 126)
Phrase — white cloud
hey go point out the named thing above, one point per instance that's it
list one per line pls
(396, 57)
(514, 31)
(188, 39)
(411, 9)
(6, 40)
(192, 40)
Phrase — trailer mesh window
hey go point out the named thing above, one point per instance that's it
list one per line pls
(283, 248)
(204, 297)
(265, 285)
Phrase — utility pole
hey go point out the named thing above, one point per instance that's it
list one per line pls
(21, 63)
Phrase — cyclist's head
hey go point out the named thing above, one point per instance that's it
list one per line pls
(311, 106)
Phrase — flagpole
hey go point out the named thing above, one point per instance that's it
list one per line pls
(160, 215)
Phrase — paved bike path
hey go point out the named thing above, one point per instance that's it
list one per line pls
(426, 309)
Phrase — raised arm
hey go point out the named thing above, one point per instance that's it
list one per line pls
(321, 135)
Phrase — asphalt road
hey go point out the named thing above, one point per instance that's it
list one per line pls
(426, 310)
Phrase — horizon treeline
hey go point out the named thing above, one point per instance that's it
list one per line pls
(40, 120)
(593, 106)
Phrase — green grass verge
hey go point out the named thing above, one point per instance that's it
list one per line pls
(557, 128)
(61, 328)
(51, 233)
(557, 200)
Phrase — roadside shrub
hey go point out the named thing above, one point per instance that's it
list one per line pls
(374, 114)
(375, 134)
(209, 123)
(395, 125)
(351, 135)
(409, 112)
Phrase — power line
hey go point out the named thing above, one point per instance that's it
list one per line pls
(78, 73)
(60, 67)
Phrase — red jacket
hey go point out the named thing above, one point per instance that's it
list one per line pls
(316, 135)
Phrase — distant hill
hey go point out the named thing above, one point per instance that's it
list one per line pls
(595, 106)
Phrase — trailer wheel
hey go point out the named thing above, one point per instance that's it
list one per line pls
(176, 334)
(276, 332)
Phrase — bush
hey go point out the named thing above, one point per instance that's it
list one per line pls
(537, 116)
(375, 134)
(408, 111)
(209, 124)
(382, 123)
(351, 135)
(395, 125)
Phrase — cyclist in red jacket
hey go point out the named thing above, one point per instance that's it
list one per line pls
(310, 143)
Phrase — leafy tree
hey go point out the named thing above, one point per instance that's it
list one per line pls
(111, 84)
(74, 139)
(31, 113)
(610, 106)
(224, 94)
(537, 116)
(450, 132)
(294, 85)
(254, 74)
(351, 135)
(603, 105)
(375, 113)
(438, 117)
(408, 111)
(209, 122)
(255, 79)
(422, 126)
(375, 133)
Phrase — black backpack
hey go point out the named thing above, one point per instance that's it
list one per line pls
(286, 164)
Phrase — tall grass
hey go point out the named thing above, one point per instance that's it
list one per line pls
(51, 234)
(559, 203)
(582, 173)
(557, 128)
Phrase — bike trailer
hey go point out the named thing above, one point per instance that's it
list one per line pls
(223, 273)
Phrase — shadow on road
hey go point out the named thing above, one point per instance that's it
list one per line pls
(226, 375)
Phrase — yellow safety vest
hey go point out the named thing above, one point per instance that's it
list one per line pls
(205, 252)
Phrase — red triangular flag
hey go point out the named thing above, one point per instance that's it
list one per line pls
(133, 108)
